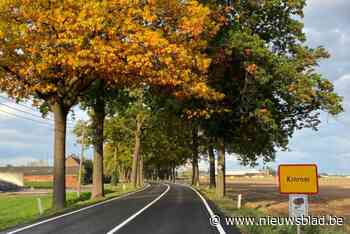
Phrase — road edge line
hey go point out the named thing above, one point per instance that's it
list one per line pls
(118, 227)
(76, 211)
(210, 211)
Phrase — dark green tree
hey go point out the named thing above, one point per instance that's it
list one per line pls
(267, 74)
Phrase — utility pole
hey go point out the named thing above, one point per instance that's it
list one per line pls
(81, 161)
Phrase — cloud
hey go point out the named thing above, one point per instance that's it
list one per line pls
(342, 86)
(23, 140)
(327, 24)
(17, 161)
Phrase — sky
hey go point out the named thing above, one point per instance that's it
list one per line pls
(327, 23)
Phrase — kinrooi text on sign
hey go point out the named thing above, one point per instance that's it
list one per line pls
(298, 178)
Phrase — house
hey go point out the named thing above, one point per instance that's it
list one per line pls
(45, 174)
(233, 175)
(72, 161)
(246, 173)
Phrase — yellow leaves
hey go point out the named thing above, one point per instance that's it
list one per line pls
(119, 39)
(200, 88)
(152, 38)
(44, 88)
(48, 88)
(193, 19)
(238, 17)
(147, 15)
(203, 63)
(135, 60)
(139, 62)
(200, 113)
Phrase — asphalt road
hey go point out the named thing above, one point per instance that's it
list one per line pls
(159, 209)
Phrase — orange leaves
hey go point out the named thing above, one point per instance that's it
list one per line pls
(193, 114)
(147, 15)
(118, 40)
(203, 63)
(251, 69)
(291, 88)
(44, 89)
(263, 110)
(153, 39)
(193, 23)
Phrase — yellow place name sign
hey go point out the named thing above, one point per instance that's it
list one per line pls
(298, 178)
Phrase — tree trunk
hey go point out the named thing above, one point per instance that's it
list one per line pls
(221, 185)
(141, 171)
(174, 174)
(59, 170)
(195, 172)
(116, 171)
(81, 162)
(195, 169)
(158, 173)
(212, 183)
(127, 174)
(136, 154)
(154, 175)
(138, 174)
(122, 173)
(98, 120)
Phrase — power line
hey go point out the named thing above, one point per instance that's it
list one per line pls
(31, 108)
(23, 111)
(30, 113)
(9, 99)
(30, 119)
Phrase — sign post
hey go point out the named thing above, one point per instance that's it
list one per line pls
(298, 180)
(298, 207)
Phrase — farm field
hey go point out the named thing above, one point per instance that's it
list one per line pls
(260, 197)
(262, 193)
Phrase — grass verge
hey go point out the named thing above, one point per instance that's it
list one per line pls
(21, 209)
(38, 184)
(228, 207)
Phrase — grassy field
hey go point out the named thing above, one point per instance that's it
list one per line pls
(261, 198)
(18, 209)
(39, 185)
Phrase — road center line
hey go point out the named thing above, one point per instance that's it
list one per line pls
(139, 212)
(210, 211)
(76, 211)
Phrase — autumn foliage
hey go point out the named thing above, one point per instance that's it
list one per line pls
(53, 51)
(238, 70)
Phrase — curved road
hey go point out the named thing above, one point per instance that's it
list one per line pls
(160, 208)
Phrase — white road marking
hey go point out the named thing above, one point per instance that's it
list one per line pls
(76, 211)
(139, 212)
(210, 211)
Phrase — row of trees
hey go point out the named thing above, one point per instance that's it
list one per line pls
(235, 76)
